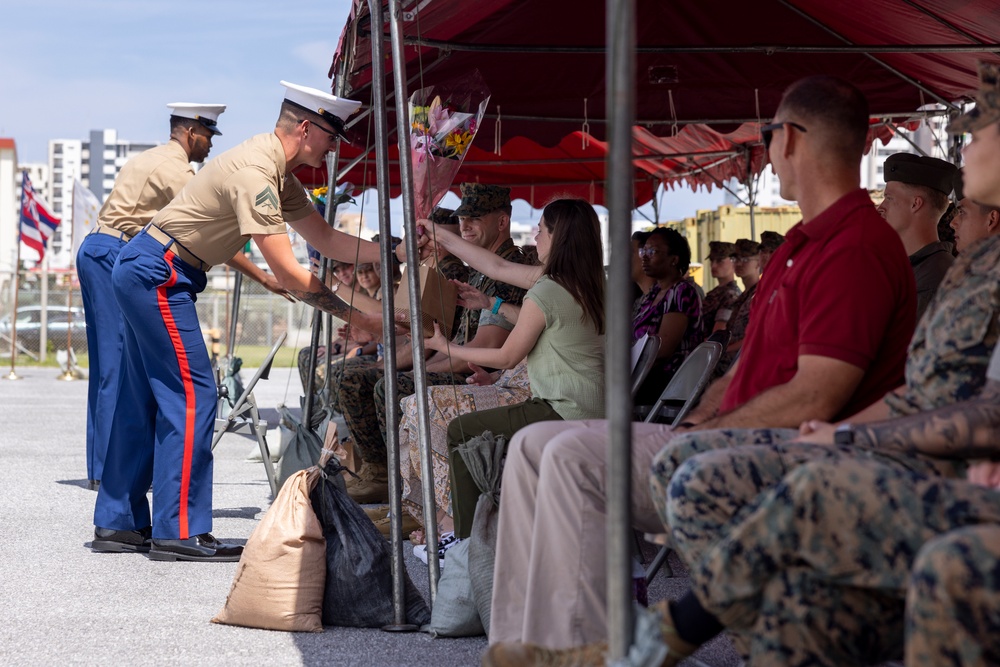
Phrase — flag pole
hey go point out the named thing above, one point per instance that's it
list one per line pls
(17, 269)
(70, 373)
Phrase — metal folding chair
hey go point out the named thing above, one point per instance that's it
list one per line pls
(245, 416)
(687, 384)
(675, 402)
(644, 353)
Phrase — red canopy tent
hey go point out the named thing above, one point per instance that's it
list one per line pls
(722, 64)
(576, 165)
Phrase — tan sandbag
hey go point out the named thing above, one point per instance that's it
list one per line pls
(281, 576)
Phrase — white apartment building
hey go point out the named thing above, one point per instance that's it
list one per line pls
(929, 136)
(95, 163)
(10, 201)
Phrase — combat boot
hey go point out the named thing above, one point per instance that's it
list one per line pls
(667, 650)
(371, 485)
(409, 525)
(377, 512)
(511, 654)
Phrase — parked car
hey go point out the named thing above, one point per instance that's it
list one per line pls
(29, 326)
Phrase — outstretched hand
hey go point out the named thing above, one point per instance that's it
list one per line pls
(816, 432)
(357, 335)
(437, 342)
(480, 377)
(471, 297)
(424, 246)
(438, 235)
(271, 284)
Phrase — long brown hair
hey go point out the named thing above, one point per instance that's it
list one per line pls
(576, 258)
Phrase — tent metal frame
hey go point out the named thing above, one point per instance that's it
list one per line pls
(620, 52)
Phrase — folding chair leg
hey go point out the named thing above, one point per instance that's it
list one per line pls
(638, 546)
(660, 560)
(272, 479)
(259, 429)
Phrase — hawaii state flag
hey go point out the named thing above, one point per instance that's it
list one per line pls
(37, 224)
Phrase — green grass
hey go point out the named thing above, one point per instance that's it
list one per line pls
(252, 356)
(24, 361)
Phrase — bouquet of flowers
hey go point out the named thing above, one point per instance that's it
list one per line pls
(444, 120)
(341, 197)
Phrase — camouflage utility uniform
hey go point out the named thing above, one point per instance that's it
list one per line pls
(737, 328)
(817, 569)
(359, 385)
(947, 363)
(953, 601)
(718, 305)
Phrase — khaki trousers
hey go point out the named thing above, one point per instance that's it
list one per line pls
(550, 576)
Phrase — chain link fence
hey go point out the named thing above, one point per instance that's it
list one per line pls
(55, 298)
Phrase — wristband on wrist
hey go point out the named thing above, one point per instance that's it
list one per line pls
(497, 304)
(395, 257)
(844, 435)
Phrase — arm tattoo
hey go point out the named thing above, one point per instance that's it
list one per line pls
(966, 430)
(326, 301)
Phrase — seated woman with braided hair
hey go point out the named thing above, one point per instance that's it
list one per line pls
(560, 329)
(669, 310)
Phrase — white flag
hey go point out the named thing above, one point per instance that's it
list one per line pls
(85, 210)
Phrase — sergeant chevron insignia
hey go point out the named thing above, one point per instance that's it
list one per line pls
(266, 197)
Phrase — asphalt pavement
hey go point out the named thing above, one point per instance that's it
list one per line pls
(62, 603)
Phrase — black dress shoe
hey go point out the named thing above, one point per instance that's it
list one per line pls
(117, 541)
(198, 548)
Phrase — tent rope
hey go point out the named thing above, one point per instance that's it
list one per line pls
(673, 114)
(497, 146)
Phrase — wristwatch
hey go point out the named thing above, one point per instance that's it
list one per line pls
(844, 435)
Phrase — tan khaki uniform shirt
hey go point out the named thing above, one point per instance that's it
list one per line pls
(147, 183)
(244, 191)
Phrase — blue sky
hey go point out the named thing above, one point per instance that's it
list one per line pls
(71, 66)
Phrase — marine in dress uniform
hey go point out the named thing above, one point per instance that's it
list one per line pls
(163, 422)
(147, 183)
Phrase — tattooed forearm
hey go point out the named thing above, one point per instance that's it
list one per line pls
(328, 302)
(966, 430)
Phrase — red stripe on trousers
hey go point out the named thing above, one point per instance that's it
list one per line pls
(189, 398)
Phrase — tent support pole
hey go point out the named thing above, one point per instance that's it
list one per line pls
(413, 281)
(388, 330)
(620, 75)
(753, 183)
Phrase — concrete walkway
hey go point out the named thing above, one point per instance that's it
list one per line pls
(61, 603)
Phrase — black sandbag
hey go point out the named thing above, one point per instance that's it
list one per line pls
(358, 563)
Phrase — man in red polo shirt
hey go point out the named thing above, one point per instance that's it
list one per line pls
(827, 336)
